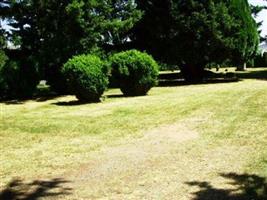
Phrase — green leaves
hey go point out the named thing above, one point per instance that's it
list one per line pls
(135, 72)
(53, 31)
(86, 77)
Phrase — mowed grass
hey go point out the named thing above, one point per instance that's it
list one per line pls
(47, 139)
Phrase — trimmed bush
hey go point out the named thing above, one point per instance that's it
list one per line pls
(86, 76)
(135, 72)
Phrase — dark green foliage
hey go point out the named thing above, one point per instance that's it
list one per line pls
(261, 60)
(17, 80)
(86, 77)
(153, 32)
(246, 40)
(193, 33)
(256, 9)
(52, 31)
(3, 85)
(135, 72)
(167, 67)
(3, 59)
(18, 74)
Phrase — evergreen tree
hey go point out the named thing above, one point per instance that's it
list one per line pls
(153, 33)
(193, 33)
(247, 39)
(50, 32)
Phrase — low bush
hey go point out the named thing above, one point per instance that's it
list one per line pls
(135, 72)
(167, 67)
(86, 76)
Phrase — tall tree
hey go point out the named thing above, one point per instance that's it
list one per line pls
(193, 33)
(50, 32)
(153, 33)
(3, 57)
(247, 39)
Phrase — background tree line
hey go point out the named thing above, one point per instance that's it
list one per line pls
(187, 33)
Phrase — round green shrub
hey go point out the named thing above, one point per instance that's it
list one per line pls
(86, 76)
(135, 72)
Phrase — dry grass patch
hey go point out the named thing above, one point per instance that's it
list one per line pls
(161, 146)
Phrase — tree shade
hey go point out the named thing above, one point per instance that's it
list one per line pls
(193, 33)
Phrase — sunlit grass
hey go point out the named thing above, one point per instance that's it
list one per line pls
(44, 139)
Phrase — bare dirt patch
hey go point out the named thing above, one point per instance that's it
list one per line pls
(130, 159)
(161, 165)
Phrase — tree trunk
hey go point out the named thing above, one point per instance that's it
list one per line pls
(242, 67)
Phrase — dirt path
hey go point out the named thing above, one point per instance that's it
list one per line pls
(120, 159)
(161, 165)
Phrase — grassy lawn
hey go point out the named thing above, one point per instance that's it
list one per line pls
(199, 142)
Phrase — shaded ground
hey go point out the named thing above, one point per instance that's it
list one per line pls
(224, 75)
(245, 187)
(17, 189)
(259, 74)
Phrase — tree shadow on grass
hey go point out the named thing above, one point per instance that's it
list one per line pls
(174, 83)
(17, 189)
(176, 79)
(262, 74)
(115, 96)
(13, 102)
(70, 103)
(173, 79)
(246, 187)
(22, 101)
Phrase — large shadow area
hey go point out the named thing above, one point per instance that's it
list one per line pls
(262, 74)
(169, 79)
(36, 99)
(70, 103)
(18, 189)
(176, 78)
(246, 187)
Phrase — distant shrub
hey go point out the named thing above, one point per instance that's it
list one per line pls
(17, 80)
(167, 67)
(135, 72)
(86, 76)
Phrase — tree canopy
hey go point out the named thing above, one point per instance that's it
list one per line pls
(50, 32)
(193, 33)
(187, 33)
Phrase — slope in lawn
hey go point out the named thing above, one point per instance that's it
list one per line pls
(177, 143)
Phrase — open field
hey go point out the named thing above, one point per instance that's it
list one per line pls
(192, 142)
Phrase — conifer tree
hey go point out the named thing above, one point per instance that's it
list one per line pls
(193, 33)
(50, 32)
